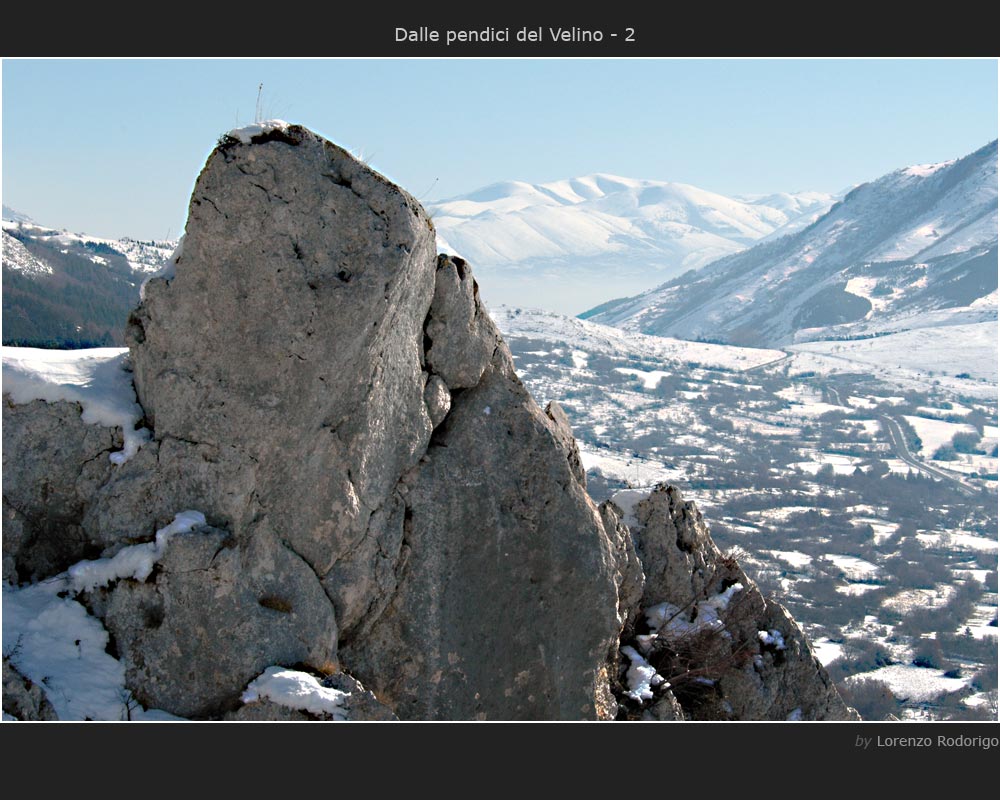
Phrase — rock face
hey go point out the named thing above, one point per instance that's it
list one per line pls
(52, 465)
(727, 652)
(384, 499)
(23, 699)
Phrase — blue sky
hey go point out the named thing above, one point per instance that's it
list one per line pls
(112, 147)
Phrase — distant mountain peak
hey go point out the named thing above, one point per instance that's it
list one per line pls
(573, 239)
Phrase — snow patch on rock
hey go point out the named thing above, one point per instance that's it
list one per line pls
(98, 379)
(296, 690)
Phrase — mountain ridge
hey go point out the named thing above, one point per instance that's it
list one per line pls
(920, 237)
(588, 230)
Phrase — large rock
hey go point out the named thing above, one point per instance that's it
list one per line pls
(292, 335)
(294, 368)
(507, 605)
(216, 613)
(726, 651)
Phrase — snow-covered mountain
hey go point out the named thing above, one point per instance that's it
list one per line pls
(577, 242)
(140, 256)
(69, 289)
(915, 248)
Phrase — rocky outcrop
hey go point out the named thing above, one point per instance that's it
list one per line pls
(724, 650)
(383, 500)
(23, 699)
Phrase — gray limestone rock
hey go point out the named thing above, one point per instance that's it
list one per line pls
(460, 336)
(665, 709)
(382, 494)
(564, 435)
(507, 600)
(754, 663)
(265, 710)
(214, 615)
(438, 399)
(23, 699)
(361, 705)
(52, 463)
(293, 333)
(629, 576)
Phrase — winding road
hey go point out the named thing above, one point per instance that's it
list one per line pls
(890, 426)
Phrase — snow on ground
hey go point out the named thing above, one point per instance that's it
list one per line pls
(635, 470)
(967, 541)
(96, 379)
(793, 557)
(594, 338)
(142, 256)
(135, 561)
(17, 258)
(852, 567)
(940, 353)
(979, 623)
(842, 465)
(52, 640)
(923, 170)
(297, 690)
(883, 530)
(861, 402)
(826, 650)
(762, 428)
(897, 466)
(956, 410)
(651, 379)
(908, 682)
(641, 677)
(934, 432)
(670, 622)
(872, 426)
(855, 589)
(804, 401)
(968, 464)
(908, 599)
(55, 643)
(782, 513)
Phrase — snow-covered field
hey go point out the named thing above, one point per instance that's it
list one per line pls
(934, 353)
(586, 337)
(908, 682)
(934, 432)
